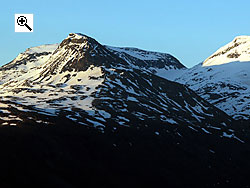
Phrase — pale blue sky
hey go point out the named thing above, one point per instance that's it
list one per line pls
(189, 30)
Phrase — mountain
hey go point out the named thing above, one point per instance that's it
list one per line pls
(223, 79)
(93, 86)
(80, 114)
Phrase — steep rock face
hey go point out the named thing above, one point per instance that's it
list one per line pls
(224, 79)
(77, 53)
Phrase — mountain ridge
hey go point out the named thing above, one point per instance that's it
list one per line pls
(108, 85)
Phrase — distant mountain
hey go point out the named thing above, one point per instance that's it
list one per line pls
(223, 79)
(236, 51)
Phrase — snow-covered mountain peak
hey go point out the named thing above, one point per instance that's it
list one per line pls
(78, 35)
(80, 40)
(37, 50)
(224, 78)
(29, 60)
(242, 38)
(236, 51)
(77, 53)
(49, 48)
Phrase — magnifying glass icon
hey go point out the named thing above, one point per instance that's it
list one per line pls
(22, 21)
